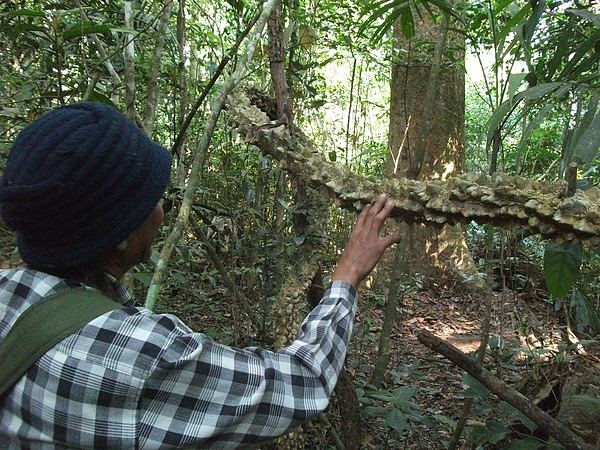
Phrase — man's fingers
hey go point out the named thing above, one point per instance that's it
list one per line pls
(391, 239)
(379, 204)
(387, 209)
(383, 210)
(374, 214)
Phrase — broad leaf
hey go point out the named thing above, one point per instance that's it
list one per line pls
(561, 267)
(514, 81)
(496, 431)
(402, 394)
(516, 18)
(475, 388)
(84, 29)
(585, 311)
(25, 13)
(587, 148)
(498, 118)
(397, 420)
(407, 22)
(375, 411)
(510, 410)
(531, 127)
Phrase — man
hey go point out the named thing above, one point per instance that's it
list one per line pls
(82, 189)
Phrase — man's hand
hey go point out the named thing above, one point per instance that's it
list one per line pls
(365, 246)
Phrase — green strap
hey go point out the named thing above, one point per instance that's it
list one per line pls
(43, 325)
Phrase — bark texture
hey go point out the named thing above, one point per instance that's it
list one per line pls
(506, 201)
(426, 137)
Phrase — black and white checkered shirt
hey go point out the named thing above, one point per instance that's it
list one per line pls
(135, 379)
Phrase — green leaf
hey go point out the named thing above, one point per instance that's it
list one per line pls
(143, 277)
(283, 203)
(475, 388)
(513, 21)
(25, 13)
(445, 420)
(514, 81)
(35, 31)
(375, 411)
(592, 402)
(538, 91)
(496, 431)
(100, 98)
(588, 145)
(531, 127)
(385, 12)
(505, 109)
(561, 266)
(584, 14)
(509, 410)
(407, 22)
(79, 30)
(397, 420)
(523, 444)
(585, 311)
(402, 394)
(492, 432)
(584, 58)
(384, 396)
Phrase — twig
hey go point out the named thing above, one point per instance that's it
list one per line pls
(208, 87)
(239, 298)
(155, 64)
(571, 179)
(339, 445)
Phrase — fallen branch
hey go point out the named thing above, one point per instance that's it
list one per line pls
(505, 201)
(544, 420)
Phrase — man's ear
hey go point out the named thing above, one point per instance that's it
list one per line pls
(122, 245)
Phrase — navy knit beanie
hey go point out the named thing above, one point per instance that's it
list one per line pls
(78, 181)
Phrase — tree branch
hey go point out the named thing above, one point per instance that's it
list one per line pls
(536, 207)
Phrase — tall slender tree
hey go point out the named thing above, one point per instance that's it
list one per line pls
(426, 134)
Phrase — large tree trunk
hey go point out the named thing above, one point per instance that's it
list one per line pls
(426, 135)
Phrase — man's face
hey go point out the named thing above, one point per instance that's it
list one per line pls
(140, 241)
(136, 248)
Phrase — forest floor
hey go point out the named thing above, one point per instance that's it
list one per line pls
(456, 317)
(429, 390)
(524, 320)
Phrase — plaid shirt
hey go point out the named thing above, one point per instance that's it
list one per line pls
(135, 379)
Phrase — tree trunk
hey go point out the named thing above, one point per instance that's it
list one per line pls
(152, 94)
(426, 135)
(183, 91)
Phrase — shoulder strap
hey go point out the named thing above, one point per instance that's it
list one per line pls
(43, 325)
